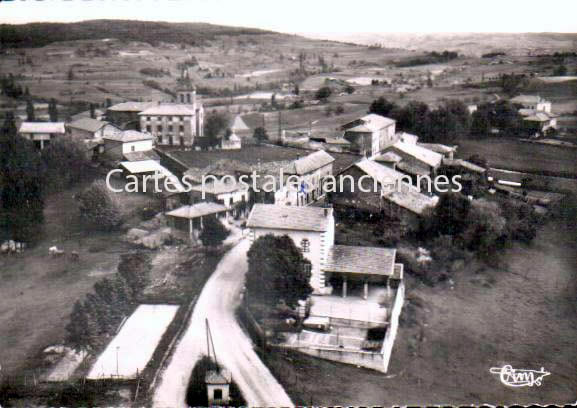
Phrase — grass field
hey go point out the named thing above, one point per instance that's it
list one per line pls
(512, 154)
(37, 291)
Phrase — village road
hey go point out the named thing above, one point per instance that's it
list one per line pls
(234, 349)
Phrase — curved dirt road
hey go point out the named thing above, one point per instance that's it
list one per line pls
(234, 349)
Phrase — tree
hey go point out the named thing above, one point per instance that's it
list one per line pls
(480, 123)
(412, 118)
(98, 207)
(512, 84)
(134, 268)
(66, 163)
(506, 117)
(214, 124)
(450, 214)
(277, 270)
(260, 134)
(349, 89)
(113, 298)
(382, 106)
(30, 115)
(561, 70)
(79, 330)
(323, 93)
(484, 226)
(53, 110)
(213, 232)
(21, 183)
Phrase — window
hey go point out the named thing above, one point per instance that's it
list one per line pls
(170, 128)
(181, 128)
(132, 148)
(148, 118)
(305, 245)
(159, 128)
(148, 128)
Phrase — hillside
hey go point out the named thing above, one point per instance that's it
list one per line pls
(152, 32)
(474, 44)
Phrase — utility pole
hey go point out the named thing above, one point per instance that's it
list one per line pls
(279, 126)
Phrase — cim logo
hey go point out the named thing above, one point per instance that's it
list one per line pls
(512, 377)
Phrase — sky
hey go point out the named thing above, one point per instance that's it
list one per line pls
(315, 16)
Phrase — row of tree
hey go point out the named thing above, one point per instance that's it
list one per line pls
(451, 120)
(101, 311)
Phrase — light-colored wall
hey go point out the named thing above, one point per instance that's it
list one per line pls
(138, 146)
(320, 243)
(150, 124)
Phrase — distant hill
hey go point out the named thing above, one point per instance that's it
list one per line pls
(464, 43)
(152, 32)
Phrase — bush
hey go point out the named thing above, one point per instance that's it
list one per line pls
(99, 207)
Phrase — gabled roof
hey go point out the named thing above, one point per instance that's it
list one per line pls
(464, 164)
(310, 163)
(220, 187)
(197, 210)
(286, 217)
(168, 109)
(368, 123)
(427, 156)
(126, 136)
(385, 175)
(238, 125)
(361, 260)
(410, 198)
(390, 157)
(539, 116)
(527, 99)
(438, 147)
(142, 166)
(88, 124)
(42, 127)
(138, 156)
(131, 106)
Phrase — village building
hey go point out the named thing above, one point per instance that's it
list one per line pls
(189, 220)
(414, 160)
(88, 128)
(353, 287)
(472, 176)
(533, 102)
(387, 193)
(173, 124)
(117, 145)
(125, 115)
(311, 229)
(448, 152)
(41, 133)
(229, 193)
(370, 134)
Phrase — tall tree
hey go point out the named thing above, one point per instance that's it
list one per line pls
(214, 124)
(99, 207)
(260, 134)
(213, 232)
(30, 114)
(53, 110)
(382, 106)
(134, 268)
(21, 183)
(277, 270)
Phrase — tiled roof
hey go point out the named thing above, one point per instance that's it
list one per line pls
(168, 109)
(138, 156)
(42, 127)
(361, 260)
(220, 187)
(369, 123)
(237, 124)
(129, 136)
(465, 164)
(197, 210)
(527, 99)
(310, 163)
(131, 106)
(383, 174)
(410, 198)
(88, 124)
(389, 157)
(287, 217)
(438, 147)
(413, 168)
(427, 156)
(223, 376)
(142, 166)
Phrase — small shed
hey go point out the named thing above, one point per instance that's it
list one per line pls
(189, 217)
(218, 387)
